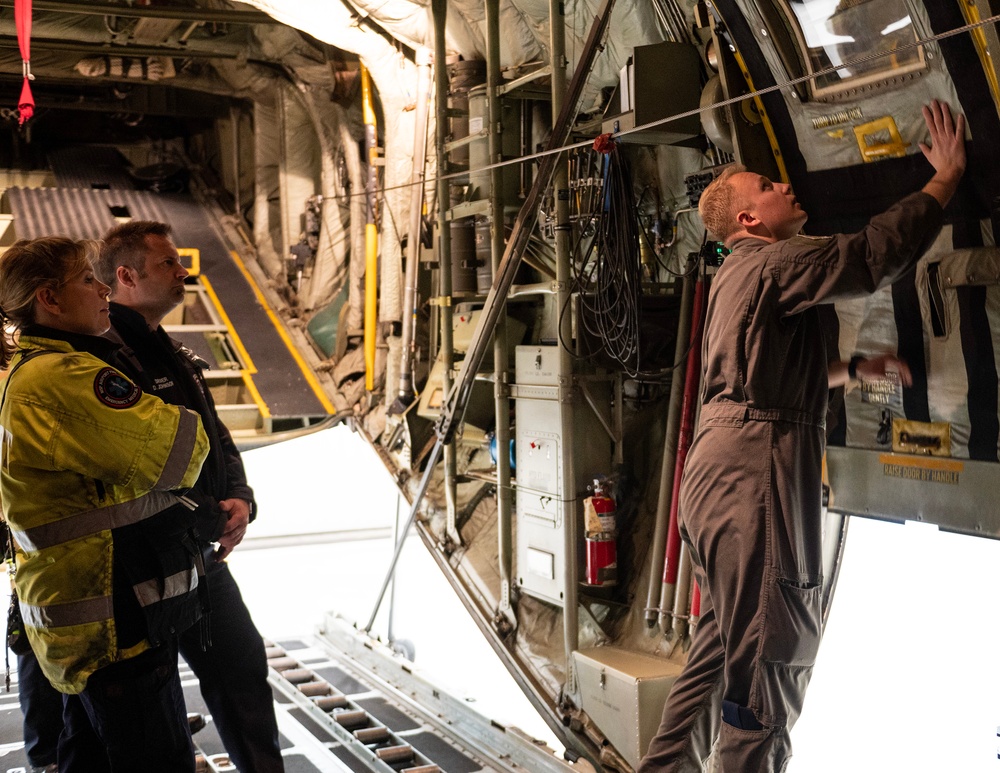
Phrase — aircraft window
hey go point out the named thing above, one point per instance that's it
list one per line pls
(835, 32)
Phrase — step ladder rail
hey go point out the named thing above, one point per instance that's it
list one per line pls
(357, 730)
(507, 748)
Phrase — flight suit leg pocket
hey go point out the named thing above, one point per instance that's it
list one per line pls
(792, 630)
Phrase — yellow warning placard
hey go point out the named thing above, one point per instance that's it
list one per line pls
(946, 471)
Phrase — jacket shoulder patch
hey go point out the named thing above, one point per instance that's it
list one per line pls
(114, 390)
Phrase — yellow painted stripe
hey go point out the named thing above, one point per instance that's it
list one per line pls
(240, 348)
(307, 373)
(245, 373)
(768, 129)
(971, 13)
(265, 412)
(195, 254)
(924, 463)
(371, 302)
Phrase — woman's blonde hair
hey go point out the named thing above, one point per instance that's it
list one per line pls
(30, 264)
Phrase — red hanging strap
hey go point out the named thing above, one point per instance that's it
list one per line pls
(604, 143)
(22, 19)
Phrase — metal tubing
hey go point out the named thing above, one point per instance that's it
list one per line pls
(657, 552)
(501, 404)
(681, 600)
(234, 117)
(439, 10)
(692, 377)
(568, 505)
(695, 608)
(413, 239)
(432, 461)
(371, 232)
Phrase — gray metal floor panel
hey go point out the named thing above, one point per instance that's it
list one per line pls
(12, 756)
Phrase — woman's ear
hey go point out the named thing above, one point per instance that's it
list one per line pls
(47, 300)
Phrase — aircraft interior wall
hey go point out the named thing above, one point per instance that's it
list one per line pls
(549, 314)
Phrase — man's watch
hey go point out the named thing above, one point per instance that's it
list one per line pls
(852, 368)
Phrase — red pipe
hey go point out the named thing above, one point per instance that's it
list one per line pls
(692, 378)
(695, 603)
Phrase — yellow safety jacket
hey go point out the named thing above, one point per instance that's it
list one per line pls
(85, 454)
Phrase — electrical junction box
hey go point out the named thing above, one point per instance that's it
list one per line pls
(623, 692)
(540, 455)
(664, 80)
(480, 411)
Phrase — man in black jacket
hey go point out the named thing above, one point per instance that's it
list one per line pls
(140, 263)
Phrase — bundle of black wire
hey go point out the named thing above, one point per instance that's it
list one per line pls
(610, 275)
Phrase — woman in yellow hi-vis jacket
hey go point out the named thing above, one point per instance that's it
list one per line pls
(89, 465)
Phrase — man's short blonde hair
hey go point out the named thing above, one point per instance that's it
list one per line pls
(720, 203)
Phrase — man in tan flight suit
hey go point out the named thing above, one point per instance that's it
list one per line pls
(750, 496)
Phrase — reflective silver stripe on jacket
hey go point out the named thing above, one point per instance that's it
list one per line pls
(75, 613)
(182, 451)
(89, 522)
(148, 592)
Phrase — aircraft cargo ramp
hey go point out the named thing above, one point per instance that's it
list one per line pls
(259, 377)
(346, 704)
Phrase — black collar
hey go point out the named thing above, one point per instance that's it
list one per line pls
(99, 347)
(131, 320)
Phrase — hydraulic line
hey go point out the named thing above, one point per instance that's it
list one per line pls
(692, 377)
(657, 552)
(371, 233)
(405, 396)
(681, 605)
(439, 10)
(501, 403)
(569, 506)
(695, 607)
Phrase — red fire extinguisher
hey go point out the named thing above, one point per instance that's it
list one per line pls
(600, 531)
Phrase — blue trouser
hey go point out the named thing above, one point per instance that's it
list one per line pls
(129, 717)
(233, 677)
(41, 706)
